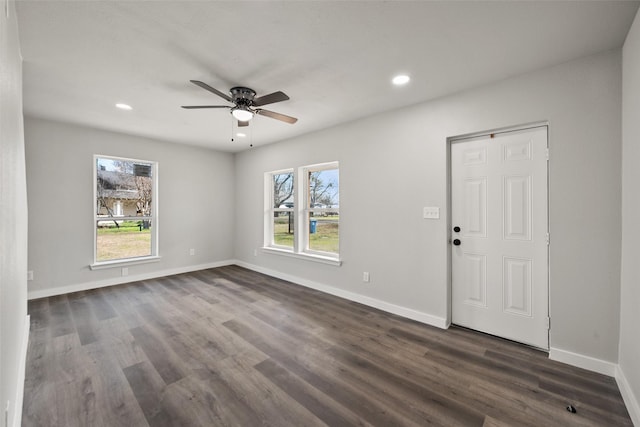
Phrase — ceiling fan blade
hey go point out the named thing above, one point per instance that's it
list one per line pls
(270, 99)
(205, 106)
(241, 124)
(277, 116)
(212, 90)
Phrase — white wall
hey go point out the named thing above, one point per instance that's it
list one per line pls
(630, 292)
(393, 164)
(13, 222)
(196, 202)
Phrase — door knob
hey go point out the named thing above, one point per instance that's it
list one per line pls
(456, 229)
(456, 242)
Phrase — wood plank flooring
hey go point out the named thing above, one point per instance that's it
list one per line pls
(231, 347)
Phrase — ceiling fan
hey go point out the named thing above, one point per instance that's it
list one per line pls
(245, 103)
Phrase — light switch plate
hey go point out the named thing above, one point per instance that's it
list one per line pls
(431, 213)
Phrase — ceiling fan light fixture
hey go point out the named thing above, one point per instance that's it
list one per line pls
(242, 114)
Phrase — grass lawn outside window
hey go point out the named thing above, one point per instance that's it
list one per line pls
(130, 240)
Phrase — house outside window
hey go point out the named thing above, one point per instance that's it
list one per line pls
(302, 211)
(125, 210)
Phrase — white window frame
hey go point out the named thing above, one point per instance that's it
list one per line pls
(301, 212)
(154, 217)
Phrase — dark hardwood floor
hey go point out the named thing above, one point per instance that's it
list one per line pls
(231, 347)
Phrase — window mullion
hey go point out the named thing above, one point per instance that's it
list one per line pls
(299, 208)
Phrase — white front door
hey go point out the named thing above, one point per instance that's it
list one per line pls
(499, 250)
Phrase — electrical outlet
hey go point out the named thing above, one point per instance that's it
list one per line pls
(125, 271)
(255, 252)
(365, 277)
(192, 252)
(30, 275)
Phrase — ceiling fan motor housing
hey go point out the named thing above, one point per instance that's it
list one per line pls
(242, 95)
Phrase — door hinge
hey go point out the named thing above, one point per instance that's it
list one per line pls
(546, 153)
(548, 239)
(548, 323)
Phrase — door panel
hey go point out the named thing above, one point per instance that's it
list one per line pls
(500, 267)
(517, 286)
(517, 207)
(476, 279)
(475, 219)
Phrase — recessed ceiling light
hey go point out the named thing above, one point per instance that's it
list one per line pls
(401, 79)
(124, 107)
(241, 135)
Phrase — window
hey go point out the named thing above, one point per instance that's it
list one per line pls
(303, 211)
(322, 202)
(282, 217)
(125, 211)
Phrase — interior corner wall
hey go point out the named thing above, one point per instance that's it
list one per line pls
(195, 196)
(394, 164)
(629, 359)
(13, 223)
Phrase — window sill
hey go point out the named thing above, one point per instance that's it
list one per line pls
(123, 262)
(307, 257)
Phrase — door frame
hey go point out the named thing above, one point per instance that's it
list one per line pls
(459, 138)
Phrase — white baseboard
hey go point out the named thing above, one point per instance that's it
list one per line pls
(630, 399)
(409, 313)
(24, 345)
(123, 279)
(582, 361)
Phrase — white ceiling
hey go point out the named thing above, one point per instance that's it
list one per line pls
(334, 59)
